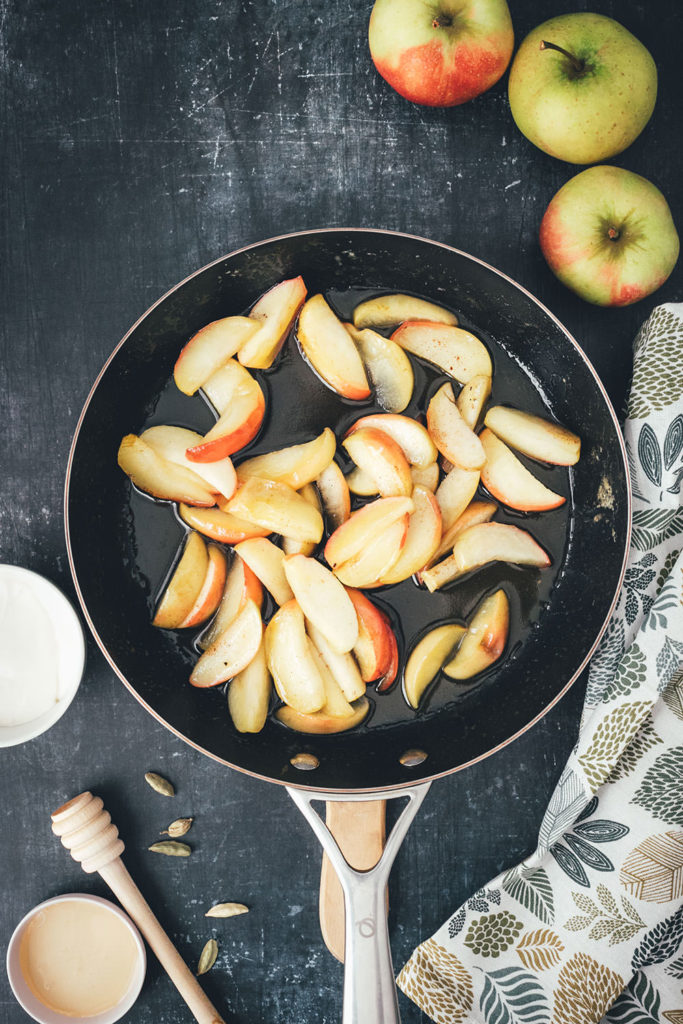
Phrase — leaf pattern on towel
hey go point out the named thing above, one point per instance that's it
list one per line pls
(660, 943)
(585, 988)
(652, 526)
(493, 934)
(611, 736)
(661, 791)
(657, 380)
(540, 949)
(513, 996)
(533, 891)
(638, 1004)
(644, 740)
(608, 920)
(631, 673)
(439, 983)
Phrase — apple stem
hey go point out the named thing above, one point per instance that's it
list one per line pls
(613, 233)
(577, 64)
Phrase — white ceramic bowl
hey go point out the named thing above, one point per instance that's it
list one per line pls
(43, 1014)
(70, 653)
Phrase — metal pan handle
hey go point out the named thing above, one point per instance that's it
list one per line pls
(369, 986)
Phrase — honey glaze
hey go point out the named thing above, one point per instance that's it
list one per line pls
(78, 957)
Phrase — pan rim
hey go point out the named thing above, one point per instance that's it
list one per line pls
(370, 791)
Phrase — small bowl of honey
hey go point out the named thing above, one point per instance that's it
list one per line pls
(76, 958)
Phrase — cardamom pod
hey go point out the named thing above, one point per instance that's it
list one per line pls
(208, 957)
(159, 784)
(178, 828)
(171, 849)
(227, 910)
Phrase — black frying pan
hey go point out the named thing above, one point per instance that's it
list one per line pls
(121, 544)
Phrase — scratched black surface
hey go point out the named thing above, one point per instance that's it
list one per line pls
(140, 141)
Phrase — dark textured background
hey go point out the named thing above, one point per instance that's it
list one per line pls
(141, 140)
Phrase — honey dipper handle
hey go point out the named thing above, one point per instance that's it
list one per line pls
(126, 891)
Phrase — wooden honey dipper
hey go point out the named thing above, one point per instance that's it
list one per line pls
(87, 832)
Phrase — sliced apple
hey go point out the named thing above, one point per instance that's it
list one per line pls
(295, 466)
(454, 494)
(386, 310)
(363, 526)
(276, 312)
(388, 367)
(323, 601)
(209, 349)
(427, 477)
(411, 436)
(241, 585)
(427, 658)
(371, 566)
(381, 458)
(211, 593)
(327, 346)
(249, 694)
(239, 400)
(288, 653)
(342, 666)
(361, 483)
(534, 436)
(452, 349)
(277, 508)
(485, 639)
(219, 525)
(334, 493)
(321, 722)
(172, 443)
(450, 433)
(484, 543)
(232, 650)
(508, 480)
(476, 512)
(373, 649)
(157, 476)
(391, 671)
(290, 545)
(473, 398)
(184, 586)
(422, 538)
(265, 560)
(336, 703)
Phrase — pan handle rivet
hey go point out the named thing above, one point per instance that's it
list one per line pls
(304, 762)
(412, 758)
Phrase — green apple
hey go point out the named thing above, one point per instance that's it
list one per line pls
(608, 235)
(441, 52)
(582, 88)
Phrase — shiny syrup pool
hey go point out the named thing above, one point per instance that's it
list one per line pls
(298, 406)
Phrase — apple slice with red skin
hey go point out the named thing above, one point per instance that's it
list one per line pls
(450, 433)
(422, 539)
(508, 480)
(382, 459)
(386, 310)
(278, 509)
(484, 543)
(476, 512)
(388, 367)
(533, 436)
(233, 649)
(391, 672)
(290, 545)
(342, 666)
(328, 348)
(295, 466)
(219, 525)
(427, 658)
(171, 443)
(363, 526)
(334, 494)
(484, 640)
(370, 566)
(266, 561)
(288, 653)
(209, 349)
(211, 593)
(426, 477)
(239, 401)
(452, 349)
(373, 649)
(249, 694)
(473, 398)
(184, 586)
(321, 722)
(454, 494)
(411, 436)
(157, 476)
(276, 311)
(323, 601)
(241, 585)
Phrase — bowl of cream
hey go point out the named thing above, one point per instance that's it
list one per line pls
(43, 654)
(76, 958)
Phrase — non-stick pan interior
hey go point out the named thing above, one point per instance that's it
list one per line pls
(118, 539)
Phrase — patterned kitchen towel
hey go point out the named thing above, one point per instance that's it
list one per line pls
(592, 922)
